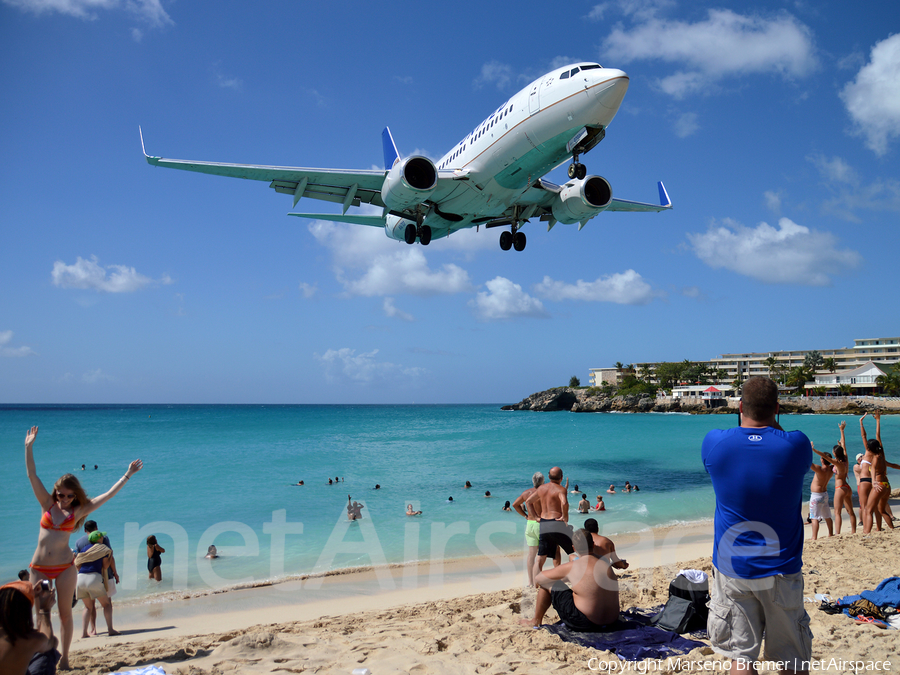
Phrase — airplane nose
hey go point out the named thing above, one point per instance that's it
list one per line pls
(611, 87)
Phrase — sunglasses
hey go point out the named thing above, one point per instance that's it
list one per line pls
(62, 496)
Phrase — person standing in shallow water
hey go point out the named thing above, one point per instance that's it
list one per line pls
(64, 511)
(154, 561)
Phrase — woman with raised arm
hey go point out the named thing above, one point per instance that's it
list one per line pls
(843, 493)
(877, 503)
(64, 510)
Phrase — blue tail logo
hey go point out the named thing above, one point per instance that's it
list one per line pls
(390, 149)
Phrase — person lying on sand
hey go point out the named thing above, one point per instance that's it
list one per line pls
(591, 603)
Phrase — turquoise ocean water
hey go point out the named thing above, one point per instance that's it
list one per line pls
(222, 474)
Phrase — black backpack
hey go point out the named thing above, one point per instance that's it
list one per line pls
(685, 610)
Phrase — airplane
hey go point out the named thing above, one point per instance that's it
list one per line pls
(492, 177)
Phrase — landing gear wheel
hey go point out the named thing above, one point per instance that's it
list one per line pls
(572, 170)
(580, 171)
(425, 235)
(409, 234)
(519, 241)
(506, 240)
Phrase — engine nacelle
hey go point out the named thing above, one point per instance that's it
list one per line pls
(409, 182)
(395, 227)
(582, 199)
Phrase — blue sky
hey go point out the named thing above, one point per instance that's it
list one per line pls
(775, 126)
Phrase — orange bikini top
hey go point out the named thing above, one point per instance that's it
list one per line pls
(68, 525)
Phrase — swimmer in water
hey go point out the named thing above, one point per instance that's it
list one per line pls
(410, 512)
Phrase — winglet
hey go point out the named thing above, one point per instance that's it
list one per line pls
(390, 149)
(664, 196)
(150, 160)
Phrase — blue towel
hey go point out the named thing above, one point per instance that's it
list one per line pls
(630, 638)
(886, 593)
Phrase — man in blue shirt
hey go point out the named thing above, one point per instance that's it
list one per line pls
(757, 471)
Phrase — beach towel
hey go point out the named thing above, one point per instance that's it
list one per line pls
(887, 593)
(630, 638)
(149, 670)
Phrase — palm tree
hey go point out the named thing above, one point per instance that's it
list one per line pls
(770, 363)
(830, 365)
(889, 383)
(845, 389)
(813, 360)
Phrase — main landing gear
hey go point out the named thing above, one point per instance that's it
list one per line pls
(514, 239)
(420, 231)
(576, 169)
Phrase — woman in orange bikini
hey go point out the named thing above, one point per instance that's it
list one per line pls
(64, 510)
(843, 493)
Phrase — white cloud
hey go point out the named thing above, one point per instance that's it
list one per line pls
(308, 290)
(773, 201)
(494, 72)
(724, 44)
(234, 83)
(364, 368)
(369, 264)
(88, 274)
(625, 288)
(686, 125)
(391, 311)
(873, 98)
(149, 11)
(506, 300)
(12, 352)
(791, 254)
(95, 376)
(850, 193)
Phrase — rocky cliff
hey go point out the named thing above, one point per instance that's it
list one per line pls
(589, 400)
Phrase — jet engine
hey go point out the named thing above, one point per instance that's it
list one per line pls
(580, 200)
(409, 182)
(395, 227)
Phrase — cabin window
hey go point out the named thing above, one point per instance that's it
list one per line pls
(564, 76)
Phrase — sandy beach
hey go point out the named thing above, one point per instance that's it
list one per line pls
(462, 617)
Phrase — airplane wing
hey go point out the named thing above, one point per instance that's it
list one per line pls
(538, 200)
(346, 187)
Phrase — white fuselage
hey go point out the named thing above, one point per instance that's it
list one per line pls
(524, 139)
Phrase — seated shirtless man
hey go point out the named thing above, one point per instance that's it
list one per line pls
(604, 546)
(592, 602)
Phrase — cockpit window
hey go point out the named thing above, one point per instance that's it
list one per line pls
(591, 66)
(564, 76)
(573, 71)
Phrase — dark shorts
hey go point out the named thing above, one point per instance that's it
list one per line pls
(563, 601)
(44, 663)
(554, 533)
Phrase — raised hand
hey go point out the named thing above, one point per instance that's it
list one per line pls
(134, 467)
(30, 436)
(842, 425)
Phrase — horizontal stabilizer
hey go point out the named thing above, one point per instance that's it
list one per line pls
(374, 221)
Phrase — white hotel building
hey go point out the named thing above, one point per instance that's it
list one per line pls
(857, 366)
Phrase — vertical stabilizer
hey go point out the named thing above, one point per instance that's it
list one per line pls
(390, 149)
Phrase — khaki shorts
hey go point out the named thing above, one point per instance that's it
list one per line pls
(532, 532)
(89, 586)
(741, 610)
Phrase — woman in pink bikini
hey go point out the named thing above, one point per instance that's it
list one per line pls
(64, 510)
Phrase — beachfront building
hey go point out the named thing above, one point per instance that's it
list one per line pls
(862, 380)
(849, 363)
(600, 376)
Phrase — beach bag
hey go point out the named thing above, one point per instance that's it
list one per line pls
(686, 609)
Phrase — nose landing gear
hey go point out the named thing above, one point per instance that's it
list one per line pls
(576, 169)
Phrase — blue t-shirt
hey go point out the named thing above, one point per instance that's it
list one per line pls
(757, 475)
